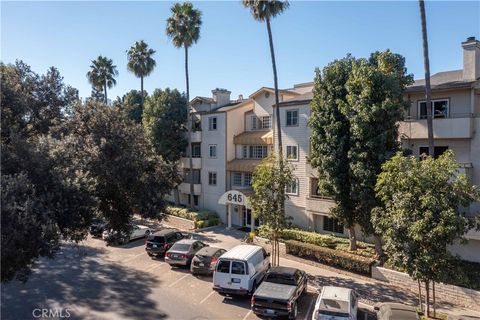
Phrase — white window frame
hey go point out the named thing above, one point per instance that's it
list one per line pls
(292, 191)
(254, 122)
(245, 174)
(292, 147)
(212, 178)
(297, 117)
(266, 122)
(419, 109)
(210, 148)
(212, 123)
(236, 173)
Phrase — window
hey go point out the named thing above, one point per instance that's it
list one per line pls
(212, 123)
(247, 179)
(196, 150)
(223, 266)
(212, 178)
(212, 151)
(238, 267)
(292, 117)
(292, 153)
(195, 200)
(266, 122)
(237, 179)
(440, 109)
(196, 176)
(197, 124)
(332, 225)
(258, 152)
(437, 151)
(245, 152)
(292, 187)
(254, 122)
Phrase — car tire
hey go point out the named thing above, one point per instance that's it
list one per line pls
(147, 233)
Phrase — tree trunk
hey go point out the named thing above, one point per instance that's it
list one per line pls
(272, 254)
(378, 246)
(420, 295)
(433, 293)
(352, 237)
(176, 196)
(141, 86)
(189, 128)
(428, 89)
(105, 91)
(427, 297)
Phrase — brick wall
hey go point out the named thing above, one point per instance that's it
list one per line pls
(444, 292)
(179, 223)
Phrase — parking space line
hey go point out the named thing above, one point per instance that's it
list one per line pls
(205, 299)
(178, 280)
(155, 267)
(133, 258)
(309, 308)
(246, 316)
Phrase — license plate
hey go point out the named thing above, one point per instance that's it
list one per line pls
(201, 264)
(235, 280)
(154, 246)
(174, 256)
(270, 311)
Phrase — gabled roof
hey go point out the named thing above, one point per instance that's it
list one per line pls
(202, 99)
(303, 98)
(271, 90)
(233, 105)
(442, 80)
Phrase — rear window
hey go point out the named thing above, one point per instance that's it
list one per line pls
(156, 239)
(281, 279)
(223, 266)
(180, 247)
(332, 307)
(238, 267)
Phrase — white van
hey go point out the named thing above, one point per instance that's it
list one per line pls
(240, 270)
(336, 303)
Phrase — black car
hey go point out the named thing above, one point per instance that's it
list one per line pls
(159, 242)
(279, 292)
(97, 227)
(205, 260)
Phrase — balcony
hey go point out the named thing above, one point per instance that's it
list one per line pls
(319, 204)
(185, 163)
(184, 187)
(458, 126)
(196, 136)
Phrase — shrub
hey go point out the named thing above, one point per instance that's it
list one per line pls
(341, 259)
(202, 218)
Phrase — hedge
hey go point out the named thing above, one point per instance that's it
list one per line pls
(323, 240)
(202, 218)
(344, 260)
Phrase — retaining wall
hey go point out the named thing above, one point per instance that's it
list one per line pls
(177, 222)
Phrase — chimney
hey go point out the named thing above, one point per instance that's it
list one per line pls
(221, 96)
(240, 97)
(471, 59)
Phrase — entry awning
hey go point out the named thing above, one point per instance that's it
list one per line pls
(243, 165)
(254, 138)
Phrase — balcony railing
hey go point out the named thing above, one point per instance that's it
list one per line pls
(456, 126)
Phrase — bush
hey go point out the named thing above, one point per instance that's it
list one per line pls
(344, 260)
(202, 218)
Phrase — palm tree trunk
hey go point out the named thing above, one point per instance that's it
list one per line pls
(428, 89)
(105, 91)
(277, 109)
(189, 128)
(141, 86)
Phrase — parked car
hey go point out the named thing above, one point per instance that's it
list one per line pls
(205, 260)
(97, 227)
(138, 231)
(182, 252)
(395, 311)
(336, 303)
(240, 270)
(159, 242)
(277, 295)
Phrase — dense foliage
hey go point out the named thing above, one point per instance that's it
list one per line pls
(131, 103)
(424, 212)
(202, 218)
(164, 121)
(102, 75)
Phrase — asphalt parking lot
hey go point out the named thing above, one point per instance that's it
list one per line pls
(95, 281)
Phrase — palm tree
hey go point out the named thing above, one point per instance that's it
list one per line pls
(102, 74)
(265, 10)
(183, 27)
(140, 62)
(428, 88)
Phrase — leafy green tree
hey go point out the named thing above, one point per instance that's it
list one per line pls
(331, 141)
(375, 104)
(97, 95)
(183, 27)
(141, 63)
(102, 74)
(102, 146)
(268, 182)
(164, 122)
(423, 213)
(132, 102)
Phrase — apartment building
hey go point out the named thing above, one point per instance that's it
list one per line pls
(234, 136)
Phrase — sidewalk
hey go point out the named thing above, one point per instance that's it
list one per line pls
(370, 290)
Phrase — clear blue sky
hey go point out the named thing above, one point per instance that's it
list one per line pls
(233, 49)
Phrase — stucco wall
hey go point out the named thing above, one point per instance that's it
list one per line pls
(460, 101)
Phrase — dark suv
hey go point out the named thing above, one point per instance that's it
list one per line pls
(159, 242)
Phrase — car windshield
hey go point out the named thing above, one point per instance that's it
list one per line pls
(156, 239)
(280, 279)
(332, 307)
(180, 247)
